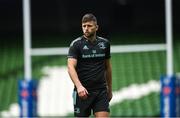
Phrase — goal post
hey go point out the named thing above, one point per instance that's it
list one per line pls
(27, 39)
(169, 82)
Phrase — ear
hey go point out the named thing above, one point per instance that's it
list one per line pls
(97, 27)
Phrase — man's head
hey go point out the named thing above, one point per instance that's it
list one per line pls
(89, 17)
(89, 25)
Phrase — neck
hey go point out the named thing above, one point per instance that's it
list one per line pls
(91, 38)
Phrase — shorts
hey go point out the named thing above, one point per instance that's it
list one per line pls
(97, 101)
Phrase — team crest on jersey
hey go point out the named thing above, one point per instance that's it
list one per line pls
(101, 45)
(85, 47)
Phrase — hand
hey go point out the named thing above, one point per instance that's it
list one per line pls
(82, 92)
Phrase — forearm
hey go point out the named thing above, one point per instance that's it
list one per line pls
(109, 78)
(82, 92)
(108, 74)
(74, 77)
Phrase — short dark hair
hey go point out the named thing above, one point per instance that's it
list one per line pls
(89, 17)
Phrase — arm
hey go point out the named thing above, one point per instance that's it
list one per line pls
(109, 77)
(82, 92)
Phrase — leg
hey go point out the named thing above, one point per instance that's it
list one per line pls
(104, 114)
(101, 104)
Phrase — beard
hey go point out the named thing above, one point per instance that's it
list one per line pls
(89, 34)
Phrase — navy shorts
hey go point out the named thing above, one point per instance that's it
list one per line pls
(97, 101)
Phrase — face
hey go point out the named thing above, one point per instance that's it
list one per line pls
(89, 28)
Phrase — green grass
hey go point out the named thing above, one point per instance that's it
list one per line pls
(137, 68)
(146, 106)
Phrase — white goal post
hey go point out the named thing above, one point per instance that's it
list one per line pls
(29, 52)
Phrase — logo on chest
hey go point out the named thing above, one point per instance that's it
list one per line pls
(93, 52)
(101, 45)
(85, 47)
